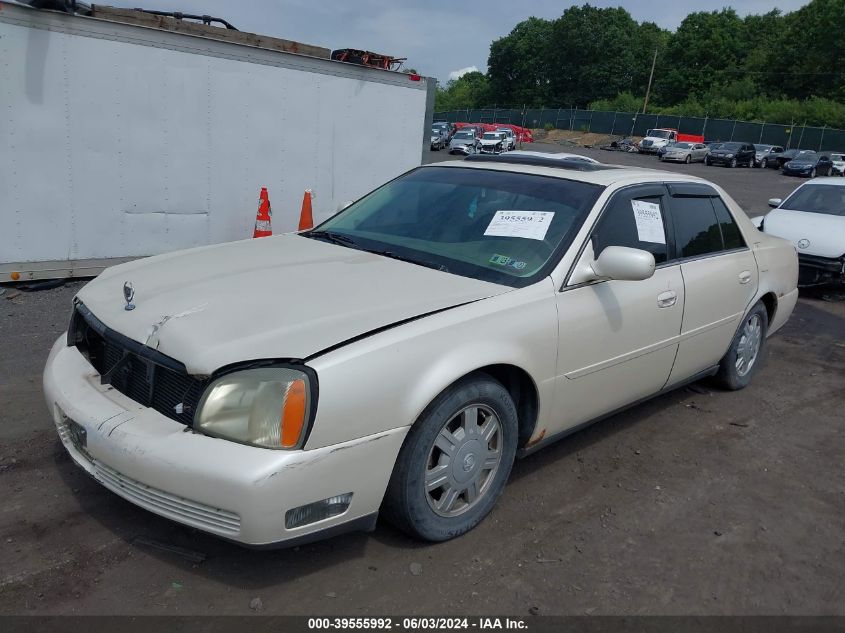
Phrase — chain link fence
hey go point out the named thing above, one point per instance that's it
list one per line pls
(634, 124)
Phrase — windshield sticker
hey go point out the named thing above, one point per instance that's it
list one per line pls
(530, 225)
(504, 260)
(649, 222)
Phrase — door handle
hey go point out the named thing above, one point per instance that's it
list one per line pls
(745, 276)
(666, 299)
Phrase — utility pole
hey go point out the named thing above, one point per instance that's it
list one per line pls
(650, 77)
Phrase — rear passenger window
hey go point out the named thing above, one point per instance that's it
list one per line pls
(618, 227)
(730, 231)
(696, 227)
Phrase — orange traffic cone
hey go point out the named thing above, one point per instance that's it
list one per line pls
(306, 219)
(262, 218)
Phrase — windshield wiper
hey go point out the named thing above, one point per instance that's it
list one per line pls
(410, 260)
(334, 238)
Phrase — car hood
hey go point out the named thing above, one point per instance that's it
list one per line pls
(489, 141)
(462, 141)
(276, 297)
(799, 164)
(825, 233)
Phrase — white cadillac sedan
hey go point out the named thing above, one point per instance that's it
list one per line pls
(401, 355)
(813, 219)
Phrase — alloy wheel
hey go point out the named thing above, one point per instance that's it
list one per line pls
(749, 344)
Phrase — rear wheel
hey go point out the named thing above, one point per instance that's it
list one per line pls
(742, 361)
(455, 461)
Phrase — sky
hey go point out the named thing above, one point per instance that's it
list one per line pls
(440, 38)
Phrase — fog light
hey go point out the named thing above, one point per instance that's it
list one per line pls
(317, 511)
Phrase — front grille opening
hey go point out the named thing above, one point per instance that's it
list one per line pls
(146, 376)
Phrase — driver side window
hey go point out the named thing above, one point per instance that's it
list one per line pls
(632, 220)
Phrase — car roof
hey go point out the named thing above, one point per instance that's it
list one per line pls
(556, 156)
(598, 174)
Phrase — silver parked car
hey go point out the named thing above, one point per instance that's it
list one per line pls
(458, 316)
(439, 138)
(765, 154)
(464, 142)
(685, 152)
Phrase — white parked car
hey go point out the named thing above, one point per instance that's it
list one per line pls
(813, 219)
(493, 143)
(510, 138)
(398, 357)
(838, 160)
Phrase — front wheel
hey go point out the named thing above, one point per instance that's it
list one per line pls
(688, 159)
(813, 173)
(455, 461)
(707, 162)
(763, 163)
(742, 361)
(733, 162)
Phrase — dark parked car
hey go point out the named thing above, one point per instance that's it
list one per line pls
(784, 157)
(765, 155)
(731, 154)
(809, 164)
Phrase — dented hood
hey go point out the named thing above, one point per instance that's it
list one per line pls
(277, 297)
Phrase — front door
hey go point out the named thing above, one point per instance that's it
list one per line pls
(617, 339)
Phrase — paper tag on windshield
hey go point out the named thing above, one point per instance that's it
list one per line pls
(531, 225)
(649, 222)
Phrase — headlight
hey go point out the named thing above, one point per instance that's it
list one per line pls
(729, 155)
(269, 407)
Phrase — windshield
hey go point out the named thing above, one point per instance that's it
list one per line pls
(497, 226)
(837, 157)
(763, 148)
(806, 155)
(827, 199)
(731, 147)
(659, 133)
(492, 136)
(681, 146)
(469, 135)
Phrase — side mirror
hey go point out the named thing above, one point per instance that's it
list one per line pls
(774, 203)
(624, 264)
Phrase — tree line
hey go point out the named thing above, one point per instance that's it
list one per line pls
(774, 67)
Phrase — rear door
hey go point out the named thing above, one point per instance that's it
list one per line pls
(719, 272)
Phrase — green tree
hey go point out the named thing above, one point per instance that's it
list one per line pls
(471, 90)
(594, 54)
(518, 65)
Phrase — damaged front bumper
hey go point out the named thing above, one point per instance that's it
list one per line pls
(814, 270)
(238, 492)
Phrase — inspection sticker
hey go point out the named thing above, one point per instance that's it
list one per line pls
(531, 225)
(649, 222)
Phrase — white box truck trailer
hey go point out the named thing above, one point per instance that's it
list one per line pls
(120, 141)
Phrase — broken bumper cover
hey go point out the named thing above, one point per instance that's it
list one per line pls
(238, 492)
(816, 270)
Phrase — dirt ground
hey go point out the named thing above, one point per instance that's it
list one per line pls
(697, 502)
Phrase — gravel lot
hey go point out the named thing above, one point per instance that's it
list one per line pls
(698, 502)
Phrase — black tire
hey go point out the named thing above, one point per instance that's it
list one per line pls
(729, 375)
(733, 163)
(813, 173)
(707, 161)
(688, 159)
(406, 502)
(764, 163)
